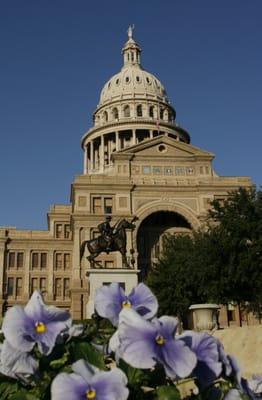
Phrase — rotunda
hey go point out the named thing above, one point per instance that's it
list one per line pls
(133, 107)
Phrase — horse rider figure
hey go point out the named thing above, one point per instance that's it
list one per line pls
(107, 231)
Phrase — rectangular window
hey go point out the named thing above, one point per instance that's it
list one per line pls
(180, 171)
(168, 171)
(66, 260)
(20, 260)
(34, 284)
(190, 171)
(67, 231)
(157, 170)
(58, 261)
(58, 287)
(135, 169)
(108, 205)
(10, 286)
(35, 260)
(19, 287)
(146, 170)
(43, 262)
(97, 205)
(43, 285)
(58, 231)
(11, 262)
(66, 287)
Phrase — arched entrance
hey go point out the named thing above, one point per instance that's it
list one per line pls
(151, 233)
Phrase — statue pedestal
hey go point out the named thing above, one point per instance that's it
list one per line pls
(128, 278)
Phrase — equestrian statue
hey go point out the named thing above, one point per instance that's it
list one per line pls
(111, 238)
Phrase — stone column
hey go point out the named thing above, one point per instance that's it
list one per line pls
(133, 136)
(85, 160)
(92, 155)
(151, 134)
(117, 141)
(101, 154)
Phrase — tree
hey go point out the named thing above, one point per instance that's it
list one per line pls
(220, 264)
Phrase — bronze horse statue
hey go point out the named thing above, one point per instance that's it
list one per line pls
(118, 243)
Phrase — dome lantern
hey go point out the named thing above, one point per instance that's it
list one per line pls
(131, 51)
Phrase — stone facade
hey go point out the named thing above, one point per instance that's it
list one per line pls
(137, 161)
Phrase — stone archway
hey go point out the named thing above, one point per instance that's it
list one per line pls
(151, 233)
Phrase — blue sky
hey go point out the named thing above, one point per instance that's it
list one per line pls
(57, 54)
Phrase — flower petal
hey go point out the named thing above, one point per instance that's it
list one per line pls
(110, 385)
(178, 359)
(108, 302)
(17, 364)
(168, 325)
(46, 341)
(84, 369)
(255, 384)
(68, 386)
(18, 329)
(143, 301)
(137, 340)
(34, 307)
(206, 349)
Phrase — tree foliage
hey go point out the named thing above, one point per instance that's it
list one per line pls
(221, 264)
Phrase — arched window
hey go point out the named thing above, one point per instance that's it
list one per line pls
(105, 116)
(115, 113)
(126, 111)
(139, 111)
(161, 113)
(151, 111)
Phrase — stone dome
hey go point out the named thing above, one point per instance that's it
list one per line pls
(132, 81)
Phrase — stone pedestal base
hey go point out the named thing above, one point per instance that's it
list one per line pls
(99, 277)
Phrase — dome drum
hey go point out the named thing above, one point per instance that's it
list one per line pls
(129, 109)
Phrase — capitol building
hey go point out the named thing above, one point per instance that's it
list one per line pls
(137, 161)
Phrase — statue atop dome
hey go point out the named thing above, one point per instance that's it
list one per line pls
(130, 31)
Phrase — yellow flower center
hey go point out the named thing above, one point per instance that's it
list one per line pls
(159, 340)
(126, 304)
(40, 327)
(91, 394)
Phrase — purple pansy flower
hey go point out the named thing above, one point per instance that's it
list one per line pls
(87, 382)
(17, 364)
(36, 323)
(255, 384)
(144, 343)
(205, 347)
(111, 299)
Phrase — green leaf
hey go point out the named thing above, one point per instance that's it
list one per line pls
(7, 388)
(168, 393)
(56, 364)
(23, 394)
(84, 350)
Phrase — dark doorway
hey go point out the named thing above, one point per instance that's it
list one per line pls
(150, 237)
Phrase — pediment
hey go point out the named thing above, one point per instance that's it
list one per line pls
(163, 146)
